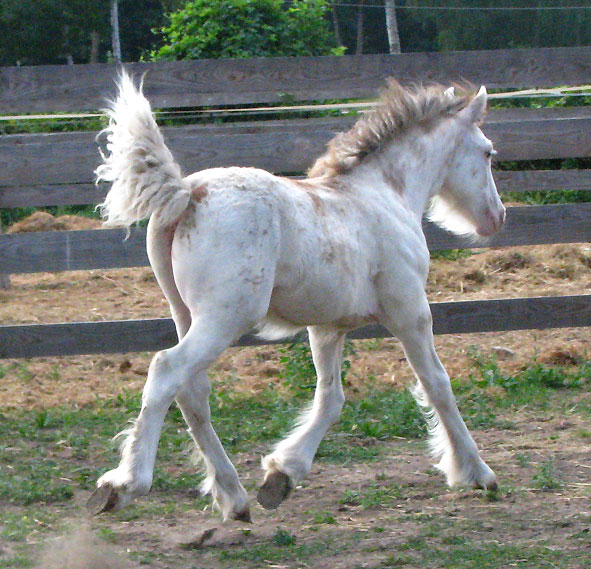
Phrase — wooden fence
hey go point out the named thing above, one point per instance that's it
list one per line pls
(57, 169)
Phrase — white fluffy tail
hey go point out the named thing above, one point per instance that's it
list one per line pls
(145, 177)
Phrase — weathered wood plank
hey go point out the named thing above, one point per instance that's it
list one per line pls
(76, 194)
(538, 139)
(277, 146)
(542, 180)
(79, 250)
(72, 250)
(222, 82)
(528, 114)
(48, 195)
(533, 225)
(28, 341)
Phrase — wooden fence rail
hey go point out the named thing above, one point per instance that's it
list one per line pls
(106, 249)
(57, 169)
(121, 336)
(277, 146)
(271, 80)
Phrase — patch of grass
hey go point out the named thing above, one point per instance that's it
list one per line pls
(452, 254)
(282, 537)
(493, 555)
(17, 526)
(373, 496)
(270, 552)
(522, 459)
(323, 517)
(17, 561)
(298, 372)
(489, 389)
(547, 477)
(61, 441)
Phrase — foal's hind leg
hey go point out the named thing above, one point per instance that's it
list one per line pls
(169, 371)
(222, 480)
(450, 440)
(292, 458)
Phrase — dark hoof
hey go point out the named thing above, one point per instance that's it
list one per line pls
(103, 499)
(243, 516)
(490, 487)
(274, 490)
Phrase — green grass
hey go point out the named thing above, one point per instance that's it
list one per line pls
(547, 477)
(491, 555)
(374, 495)
(273, 552)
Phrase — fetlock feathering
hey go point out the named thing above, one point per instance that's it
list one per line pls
(145, 177)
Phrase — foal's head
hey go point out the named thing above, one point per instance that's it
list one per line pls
(468, 201)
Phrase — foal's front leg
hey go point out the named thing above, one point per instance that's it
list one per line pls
(450, 440)
(292, 458)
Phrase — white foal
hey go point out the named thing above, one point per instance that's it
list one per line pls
(235, 248)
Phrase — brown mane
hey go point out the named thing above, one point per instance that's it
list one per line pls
(399, 109)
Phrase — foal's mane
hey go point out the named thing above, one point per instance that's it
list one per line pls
(399, 109)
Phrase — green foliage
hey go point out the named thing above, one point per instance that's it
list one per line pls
(40, 32)
(247, 28)
(298, 372)
(501, 29)
(323, 517)
(373, 496)
(547, 477)
(283, 537)
(535, 376)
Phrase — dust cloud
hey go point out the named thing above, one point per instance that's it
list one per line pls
(79, 548)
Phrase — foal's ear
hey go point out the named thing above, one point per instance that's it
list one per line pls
(475, 110)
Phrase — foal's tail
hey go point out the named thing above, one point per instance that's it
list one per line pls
(145, 177)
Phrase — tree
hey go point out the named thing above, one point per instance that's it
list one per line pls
(392, 26)
(247, 28)
(38, 32)
(360, 25)
(115, 41)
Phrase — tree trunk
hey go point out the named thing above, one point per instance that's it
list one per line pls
(115, 43)
(360, 20)
(94, 46)
(392, 26)
(335, 25)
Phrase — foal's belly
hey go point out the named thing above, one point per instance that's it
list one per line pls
(344, 305)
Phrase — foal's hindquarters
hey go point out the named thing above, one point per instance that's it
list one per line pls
(216, 269)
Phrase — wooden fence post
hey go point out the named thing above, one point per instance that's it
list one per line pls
(4, 278)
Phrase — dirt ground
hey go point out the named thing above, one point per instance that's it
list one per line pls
(419, 518)
(416, 523)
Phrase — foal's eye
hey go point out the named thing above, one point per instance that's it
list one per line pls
(490, 153)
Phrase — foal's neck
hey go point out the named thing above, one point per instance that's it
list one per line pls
(415, 166)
